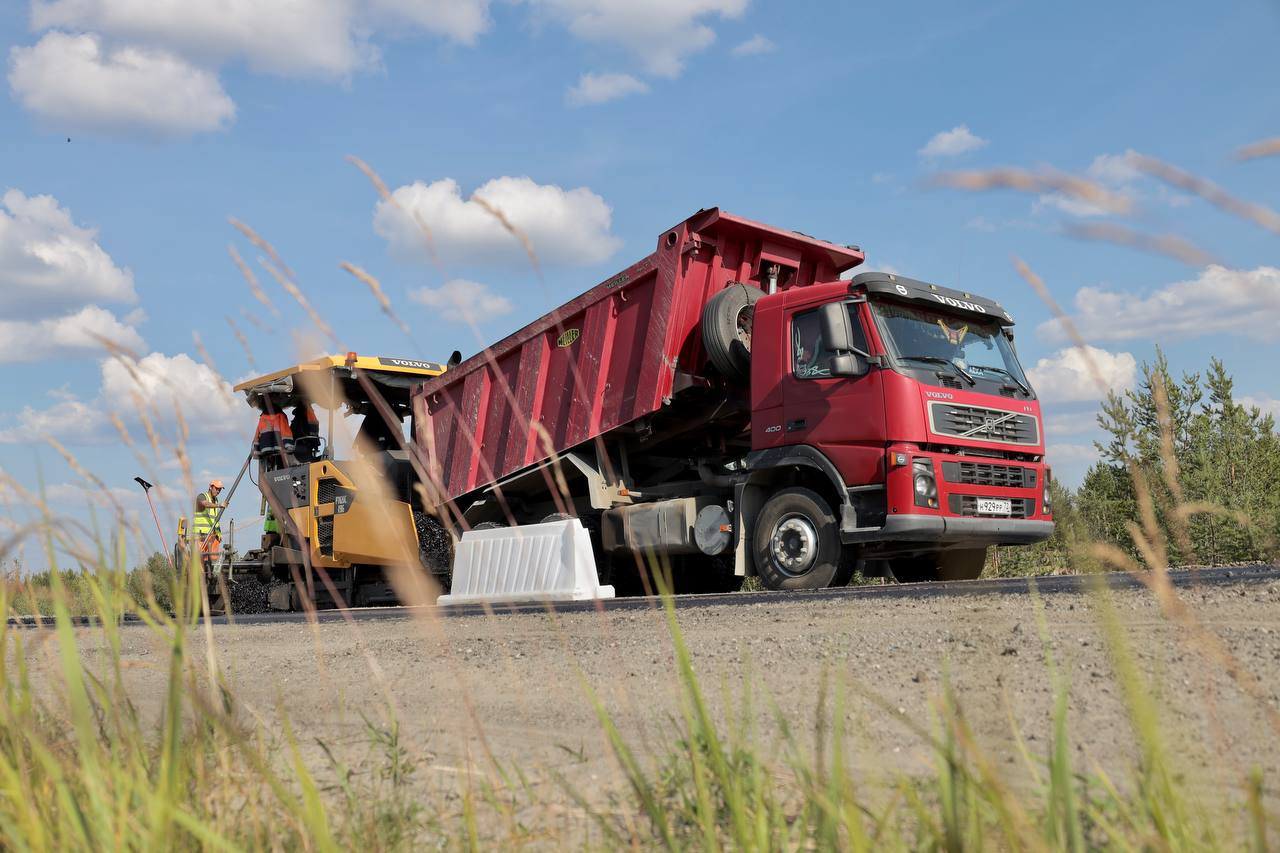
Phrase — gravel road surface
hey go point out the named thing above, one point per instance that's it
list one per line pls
(512, 686)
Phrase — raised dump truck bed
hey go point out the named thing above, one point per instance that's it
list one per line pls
(610, 357)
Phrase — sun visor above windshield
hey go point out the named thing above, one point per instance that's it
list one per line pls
(281, 386)
(939, 297)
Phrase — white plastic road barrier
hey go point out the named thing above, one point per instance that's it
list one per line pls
(531, 562)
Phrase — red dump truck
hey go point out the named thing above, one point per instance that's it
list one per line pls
(731, 406)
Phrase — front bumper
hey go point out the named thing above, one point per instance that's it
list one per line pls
(951, 530)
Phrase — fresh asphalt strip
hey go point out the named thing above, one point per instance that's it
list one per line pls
(1045, 585)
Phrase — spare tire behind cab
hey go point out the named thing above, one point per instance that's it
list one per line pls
(726, 329)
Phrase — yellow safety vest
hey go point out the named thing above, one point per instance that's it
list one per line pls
(205, 521)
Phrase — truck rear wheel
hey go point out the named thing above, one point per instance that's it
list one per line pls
(964, 564)
(796, 541)
(726, 329)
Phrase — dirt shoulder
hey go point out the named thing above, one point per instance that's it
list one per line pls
(513, 688)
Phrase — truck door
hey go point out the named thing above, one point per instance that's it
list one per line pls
(841, 416)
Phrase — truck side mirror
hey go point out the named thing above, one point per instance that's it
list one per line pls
(836, 334)
(848, 364)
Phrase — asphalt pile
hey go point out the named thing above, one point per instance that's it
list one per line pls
(247, 594)
(434, 543)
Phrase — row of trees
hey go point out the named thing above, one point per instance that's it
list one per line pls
(1205, 465)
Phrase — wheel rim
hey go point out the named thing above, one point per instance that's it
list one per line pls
(794, 545)
(742, 326)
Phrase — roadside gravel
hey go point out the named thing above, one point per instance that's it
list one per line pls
(512, 687)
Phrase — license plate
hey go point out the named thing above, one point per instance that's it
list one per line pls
(994, 506)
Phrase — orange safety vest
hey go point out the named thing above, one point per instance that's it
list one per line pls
(273, 430)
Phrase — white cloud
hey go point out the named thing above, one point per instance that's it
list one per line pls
(70, 420)
(156, 385)
(287, 37)
(1120, 174)
(593, 88)
(151, 65)
(661, 34)
(463, 301)
(163, 383)
(1245, 302)
(754, 46)
(72, 80)
(48, 262)
(1115, 169)
(1268, 404)
(952, 143)
(462, 21)
(1066, 376)
(325, 38)
(1068, 204)
(69, 335)
(52, 274)
(1070, 423)
(565, 226)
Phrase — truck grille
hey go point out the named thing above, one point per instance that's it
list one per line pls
(324, 535)
(985, 474)
(983, 424)
(968, 505)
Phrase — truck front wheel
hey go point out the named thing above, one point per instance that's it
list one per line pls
(796, 541)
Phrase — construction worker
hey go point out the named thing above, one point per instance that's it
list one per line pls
(273, 439)
(306, 432)
(375, 435)
(270, 531)
(204, 522)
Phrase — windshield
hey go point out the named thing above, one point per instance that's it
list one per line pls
(969, 345)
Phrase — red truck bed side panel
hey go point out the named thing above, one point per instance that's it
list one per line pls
(604, 359)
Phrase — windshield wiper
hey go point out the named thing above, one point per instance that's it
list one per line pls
(1016, 381)
(933, 359)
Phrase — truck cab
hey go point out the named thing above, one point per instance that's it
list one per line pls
(910, 400)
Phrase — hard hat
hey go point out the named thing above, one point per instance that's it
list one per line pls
(215, 484)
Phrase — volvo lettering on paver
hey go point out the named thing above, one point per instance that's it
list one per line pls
(408, 362)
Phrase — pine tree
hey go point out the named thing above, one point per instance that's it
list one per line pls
(1218, 454)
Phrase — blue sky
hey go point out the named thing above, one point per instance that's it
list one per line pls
(595, 124)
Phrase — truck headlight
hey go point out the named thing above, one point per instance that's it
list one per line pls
(926, 487)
